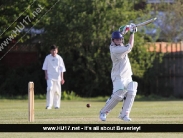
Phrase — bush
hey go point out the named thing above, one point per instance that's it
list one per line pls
(68, 95)
(16, 81)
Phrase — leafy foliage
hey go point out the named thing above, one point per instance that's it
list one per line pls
(16, 81)
(170, 20)
(16, 16)
(82, 30)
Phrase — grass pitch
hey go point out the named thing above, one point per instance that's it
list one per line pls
(76, 112)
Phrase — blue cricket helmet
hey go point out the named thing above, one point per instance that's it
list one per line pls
(116, 35)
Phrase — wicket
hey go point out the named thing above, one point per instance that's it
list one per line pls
(31, 101)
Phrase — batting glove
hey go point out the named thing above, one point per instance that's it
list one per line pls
(133, 28)
(124, 29)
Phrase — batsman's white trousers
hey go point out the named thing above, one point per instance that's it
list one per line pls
(121, 83)
(53, 95)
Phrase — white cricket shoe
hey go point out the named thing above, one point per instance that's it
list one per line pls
(125, 118)
(47, 107)
(103, 116)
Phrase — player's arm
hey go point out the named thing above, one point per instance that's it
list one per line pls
(62, 70)
(45, 67)
(133, 29)
(131, 40)
(62, 78)
(130, 44)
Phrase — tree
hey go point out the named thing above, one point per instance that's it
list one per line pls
(16, 16)
(82, 30)
(170, 21)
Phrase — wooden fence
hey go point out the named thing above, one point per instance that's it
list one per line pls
(19, 55)
(171, 69)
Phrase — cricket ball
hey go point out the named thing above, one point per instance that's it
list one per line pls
(88, 105)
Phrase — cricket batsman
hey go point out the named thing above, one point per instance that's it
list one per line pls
(124, 88)
(54, 69)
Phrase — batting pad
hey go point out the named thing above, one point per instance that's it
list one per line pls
(128, 102)
(113, 101)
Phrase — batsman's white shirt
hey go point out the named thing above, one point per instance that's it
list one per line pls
(54, 67)
(121, 70)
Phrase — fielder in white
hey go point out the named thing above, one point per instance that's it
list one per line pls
(123, 86)
(54, 74)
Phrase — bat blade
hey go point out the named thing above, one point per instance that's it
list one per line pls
(146, 22)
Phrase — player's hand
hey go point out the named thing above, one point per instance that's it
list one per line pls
(124, 29)
(62, 81)
(133, 28)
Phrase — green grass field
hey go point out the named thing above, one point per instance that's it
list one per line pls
(75, 112)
